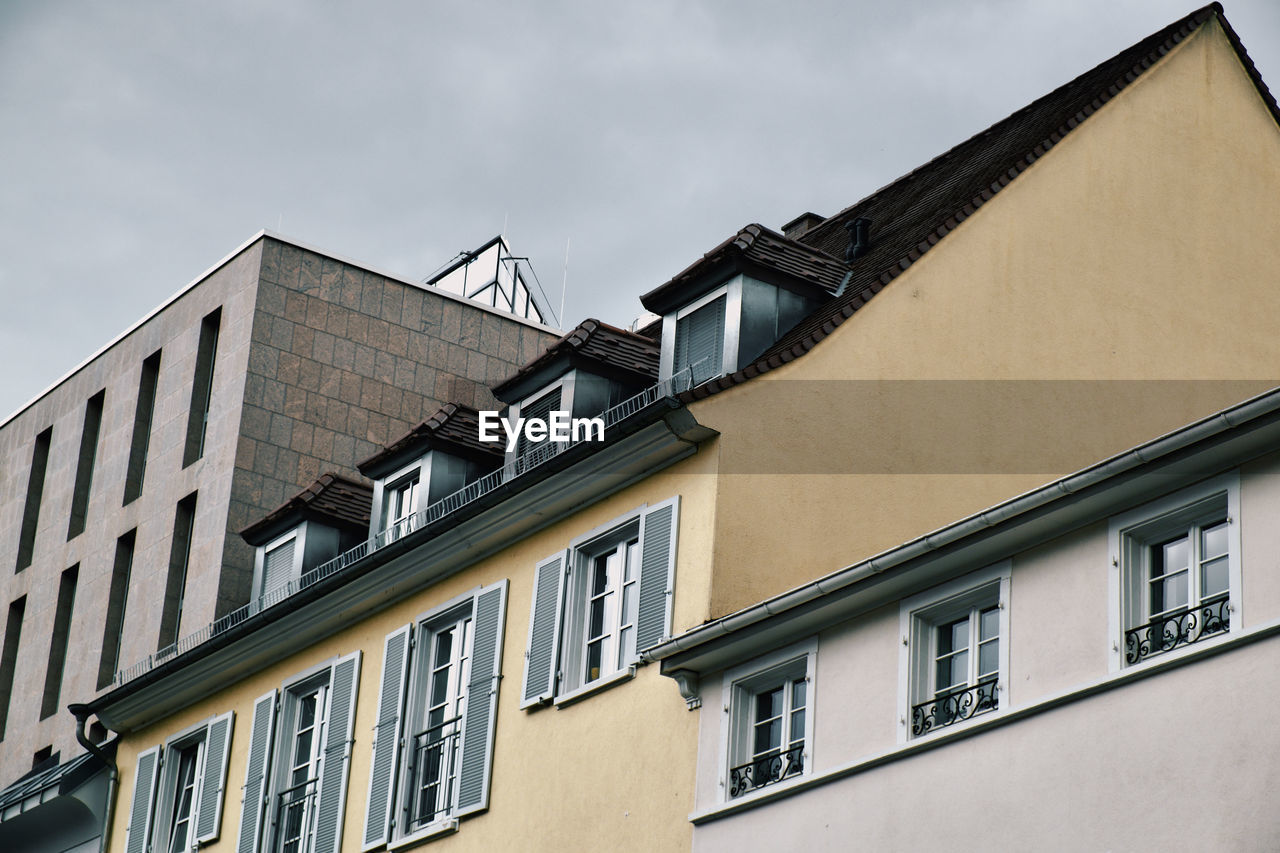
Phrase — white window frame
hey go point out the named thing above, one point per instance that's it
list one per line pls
(919, 618)
(419, 471)
(317, 680)
(1130, 537)
(732, 291)
(565, 384)
(740, 686)
(195, 736)
(458, 611)
(299, 535)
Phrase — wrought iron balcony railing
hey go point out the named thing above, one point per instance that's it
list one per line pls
(433, 773)
(954, 706)
(766, 769)
(296, 818)
(1166, 633)
(536, 456)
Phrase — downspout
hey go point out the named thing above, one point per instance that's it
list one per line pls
(81, 713)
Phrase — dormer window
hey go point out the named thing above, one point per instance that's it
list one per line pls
(700, 341)
(400, 500)
(540, 409)
(280, 560)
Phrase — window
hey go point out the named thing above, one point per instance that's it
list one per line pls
(539, 409)
(201, 388)
(955, 655)
(84, 465)
(58, 643)
(141, 438)
(433, 743)
(278, 562)
(35, 491)
(768, 720)
(1175, 564)
(178, 790)
(175, 590)
(9, 656)
(601, 602)
(399, 504)
(117, 598)
(296, 769)
(699, 344)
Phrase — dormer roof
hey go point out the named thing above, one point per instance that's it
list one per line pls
(599, 347)
(332, 499)
(454, 428)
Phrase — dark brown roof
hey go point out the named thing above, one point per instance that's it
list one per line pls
(915, 212)
(332, 499)
(454, 428)
(626, 353)
(769, 256)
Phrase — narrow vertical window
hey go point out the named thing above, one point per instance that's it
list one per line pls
(117, 600)
(9, 656)
(201, 388)
(84, 465)
(142, 415)
(58, 646)
(35, 490)
(179, 556)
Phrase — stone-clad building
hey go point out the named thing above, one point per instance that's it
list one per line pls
(123, 486)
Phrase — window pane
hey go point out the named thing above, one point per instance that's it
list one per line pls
(1169, 593)
(600, 574)
(954, 636)
(798, 689)
(953, 670)
(768, 736)
(1213, 577)
(1170, 557)
(989, 658)
(990, 624)
(1213, 541)
(797, 726)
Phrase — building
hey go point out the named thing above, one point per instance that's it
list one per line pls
(481, 668)
(126, 484)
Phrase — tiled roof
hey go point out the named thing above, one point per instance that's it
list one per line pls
(453, 428)
(332, 499)
(763, 249)
(915, 212)
(627, 352)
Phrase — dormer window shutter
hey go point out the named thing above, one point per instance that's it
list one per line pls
(700, 341)
(277, 566)
(539, 409)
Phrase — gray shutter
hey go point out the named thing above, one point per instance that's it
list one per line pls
(657, 572)
(277, 566)
(700, 341)
(482, 699)
(544, 631)
(256, 772)
(337, 753)
(386, 739)
(217, 746)
(144, 795)
(540, 409)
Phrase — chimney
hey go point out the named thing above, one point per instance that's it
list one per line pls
(802, 223)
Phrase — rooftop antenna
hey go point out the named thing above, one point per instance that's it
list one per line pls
(564, 284)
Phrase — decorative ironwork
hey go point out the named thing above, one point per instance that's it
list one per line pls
(295, 818)
(766, 769)
(433, 773)
(954, 706)
(535, 457)
(1166, 633)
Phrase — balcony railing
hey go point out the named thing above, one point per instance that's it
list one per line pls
(296, 818)
(536, 456)
(433, 773)
(954, 706)
(1166, 633)
(766, 769)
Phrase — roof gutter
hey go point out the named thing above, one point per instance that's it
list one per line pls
(1264, 404)
(82, 713)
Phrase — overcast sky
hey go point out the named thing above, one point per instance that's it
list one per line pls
(141, 142)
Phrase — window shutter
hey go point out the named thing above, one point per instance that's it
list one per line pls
(700, 341)
(544, 631)
(657, 572)
(255, 774)
(144, 795)
(217, 743)
(482, 699)
(386, 739)
(277, 566)
(541, 409)
(337, 753)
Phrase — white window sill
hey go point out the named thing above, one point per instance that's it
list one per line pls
(600, 684)
(430, 832)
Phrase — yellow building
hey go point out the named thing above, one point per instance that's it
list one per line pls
(1087, 274)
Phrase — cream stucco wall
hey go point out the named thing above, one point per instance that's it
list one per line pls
(563, 777)
(1142, 247)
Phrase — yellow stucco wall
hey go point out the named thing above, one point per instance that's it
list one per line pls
(1141, 247)
(617, 765)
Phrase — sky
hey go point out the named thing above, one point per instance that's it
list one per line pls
(612, 143)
